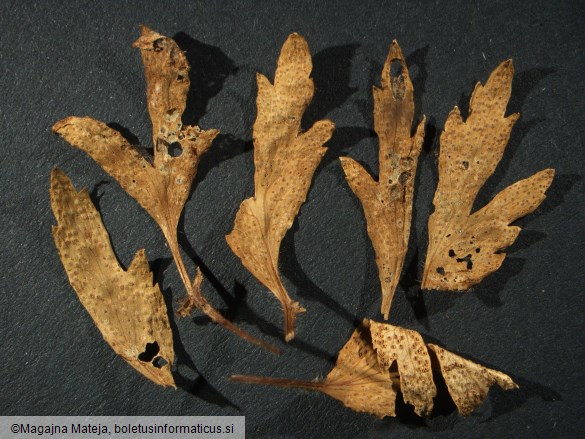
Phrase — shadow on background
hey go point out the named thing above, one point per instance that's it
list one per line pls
(185, 373)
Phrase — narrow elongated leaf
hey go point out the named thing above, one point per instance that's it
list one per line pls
(387, 203)
(465, 247)
(285, 161)
(128, 309)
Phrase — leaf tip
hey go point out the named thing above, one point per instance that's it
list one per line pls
(146, 38)
(60, 125)
(547, 175)
(507, 65)
(395, 52)
(295, 52)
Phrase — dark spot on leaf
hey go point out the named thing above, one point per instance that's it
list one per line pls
(441, 271)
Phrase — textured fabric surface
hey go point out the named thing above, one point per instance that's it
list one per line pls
(63, 58)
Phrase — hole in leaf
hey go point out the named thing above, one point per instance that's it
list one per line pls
(159, 362)
(158, 45)
(441, 271)
(150, 351)
(395, 69)
(175, 149)
(466, 259)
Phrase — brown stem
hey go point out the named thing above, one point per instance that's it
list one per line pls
(201, 303)
(291, 309)
(278, 382)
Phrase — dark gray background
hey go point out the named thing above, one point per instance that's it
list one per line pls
(59, 59)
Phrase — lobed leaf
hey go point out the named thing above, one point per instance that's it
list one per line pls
(387, 203)
(380, 360)
(284, 161)
(163, 186)
(128, 309)
(465, 247)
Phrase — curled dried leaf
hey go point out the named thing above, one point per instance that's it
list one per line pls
(380, 360)
(468, 382)
(465, 247)
(128, 309)
(357, 379)
(407, 349)
(163, 186)
(387, 203)
(284, 161)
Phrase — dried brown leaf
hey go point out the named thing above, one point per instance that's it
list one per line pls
(161, 187)
(380, 360)
(285, 161)
(464, 247)
(357, 380)
(468, 382)
(387, 203)
(127, 308)
(408, 350)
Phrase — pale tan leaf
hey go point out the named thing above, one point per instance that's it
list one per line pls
(163, 186)
(408, 350)
(357, 380)
(285, 161)
(468, 382)
(380, 360)
(465, 247)
(128, 309)
(387, 203)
